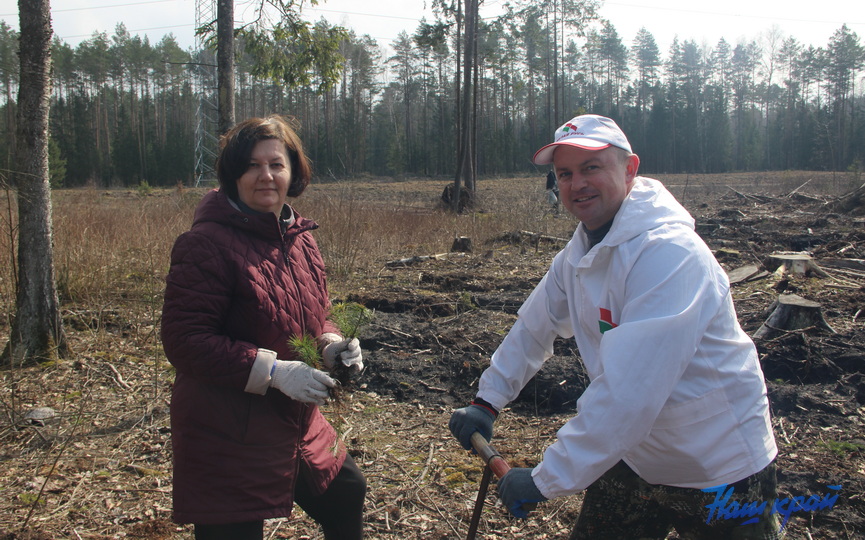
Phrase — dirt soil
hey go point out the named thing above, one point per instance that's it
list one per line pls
(101, 467)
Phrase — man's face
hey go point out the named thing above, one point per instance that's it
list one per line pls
(593, 183)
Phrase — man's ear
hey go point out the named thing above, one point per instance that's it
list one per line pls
(632, 167)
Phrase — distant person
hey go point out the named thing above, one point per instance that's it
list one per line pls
(248, 437)
(552, 191)
(676, 401)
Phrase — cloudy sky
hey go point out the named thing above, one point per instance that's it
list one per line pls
(813, 23)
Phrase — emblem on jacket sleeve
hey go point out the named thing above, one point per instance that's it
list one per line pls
(606, 321)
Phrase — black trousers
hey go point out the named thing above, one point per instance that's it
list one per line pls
(339, 510)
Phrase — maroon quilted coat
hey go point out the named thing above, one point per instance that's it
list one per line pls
(238, 289)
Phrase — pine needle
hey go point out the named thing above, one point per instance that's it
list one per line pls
(351, 317)
(307, 350)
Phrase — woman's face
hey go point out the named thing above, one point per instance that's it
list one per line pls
(264, 184)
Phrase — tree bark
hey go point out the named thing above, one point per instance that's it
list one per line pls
(37, 329)
(225, 63)
(465, 159)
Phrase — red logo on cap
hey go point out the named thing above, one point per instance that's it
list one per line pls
(568, 130)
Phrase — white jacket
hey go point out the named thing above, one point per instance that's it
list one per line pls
(676, 388)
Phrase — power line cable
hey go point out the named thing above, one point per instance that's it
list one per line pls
(132, 31)
(89, 8)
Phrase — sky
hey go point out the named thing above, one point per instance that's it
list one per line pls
(812, 23)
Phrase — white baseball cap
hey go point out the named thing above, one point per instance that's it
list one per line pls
(589, 132)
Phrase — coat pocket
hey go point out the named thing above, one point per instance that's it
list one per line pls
(692, 443)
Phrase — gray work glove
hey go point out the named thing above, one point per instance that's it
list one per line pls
(517, 488)
(464, 422)
(300, 381)
(347, 351)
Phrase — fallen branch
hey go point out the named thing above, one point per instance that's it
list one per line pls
(848, 202)
(543, 237)
(746, 273)
(757, 198)
(118, 378)
(393, 330)
(408, 261)
(800, 187)
(801, 197)
(431, 387)
(425, 470)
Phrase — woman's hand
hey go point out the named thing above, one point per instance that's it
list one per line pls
(300, 381)
(346, 350)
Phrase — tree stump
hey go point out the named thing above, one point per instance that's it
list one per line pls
(467, 198)
(800, 264)
(791, 312)
(462, 244)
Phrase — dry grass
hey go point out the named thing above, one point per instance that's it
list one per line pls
(363, 226)
(115, 244)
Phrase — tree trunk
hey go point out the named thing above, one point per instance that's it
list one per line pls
(225, 63)
(37, 329)
(465, 159)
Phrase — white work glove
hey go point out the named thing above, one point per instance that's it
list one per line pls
(300, 381)
(346, 350)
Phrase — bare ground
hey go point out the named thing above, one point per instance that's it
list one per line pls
(101, 467)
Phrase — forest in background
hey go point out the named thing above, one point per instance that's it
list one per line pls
(124, 111)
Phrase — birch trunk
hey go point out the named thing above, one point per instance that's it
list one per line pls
(37, 330)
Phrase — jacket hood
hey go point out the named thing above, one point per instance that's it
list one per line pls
(648, 205)
(215, 207)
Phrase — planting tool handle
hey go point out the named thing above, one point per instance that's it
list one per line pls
(479, 503)
(490, 456)
(494, 461)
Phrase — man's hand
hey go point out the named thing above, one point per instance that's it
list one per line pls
(517, 488)
(469, 419)
(346, 350)
(300, 381)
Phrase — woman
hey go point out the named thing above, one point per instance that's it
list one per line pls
(248, 437)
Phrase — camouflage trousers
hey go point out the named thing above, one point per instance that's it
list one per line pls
(621, 505)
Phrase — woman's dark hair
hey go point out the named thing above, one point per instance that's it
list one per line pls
(235, 152)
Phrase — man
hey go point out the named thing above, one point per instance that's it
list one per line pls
(552, 191)
(676, 402)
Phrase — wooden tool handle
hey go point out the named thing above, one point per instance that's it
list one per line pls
(490, 456)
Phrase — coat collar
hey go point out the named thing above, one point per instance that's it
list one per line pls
(216, 207)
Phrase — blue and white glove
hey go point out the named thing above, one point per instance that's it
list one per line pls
(464, 422)
(347, 351)
(517, 488)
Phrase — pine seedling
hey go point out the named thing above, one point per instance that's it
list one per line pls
(351, 317)
(307, 350)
